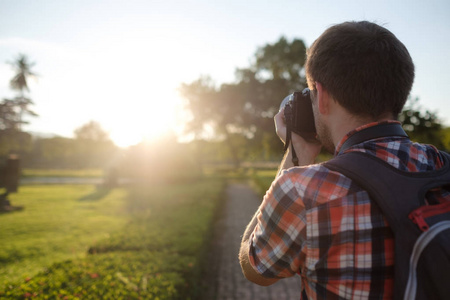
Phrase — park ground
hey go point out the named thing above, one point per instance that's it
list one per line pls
(159, 241)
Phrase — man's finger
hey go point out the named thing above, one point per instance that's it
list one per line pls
(280, 125)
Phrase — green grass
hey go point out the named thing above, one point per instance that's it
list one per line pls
(143, 243)
(91, 173)
(58, 222)
(262, 179)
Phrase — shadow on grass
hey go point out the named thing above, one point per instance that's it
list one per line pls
(98, 194)
(10, 209)
(5, 204)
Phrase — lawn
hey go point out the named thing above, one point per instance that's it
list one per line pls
(59, 222)
(86, 173)
(262, 179)
(77, 242)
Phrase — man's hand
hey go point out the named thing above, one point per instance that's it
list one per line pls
(306, 151)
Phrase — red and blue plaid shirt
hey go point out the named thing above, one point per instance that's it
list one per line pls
(320, 224)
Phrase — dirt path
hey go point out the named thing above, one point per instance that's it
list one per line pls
(224, 279)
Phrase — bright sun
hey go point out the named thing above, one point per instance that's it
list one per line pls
(139, 98)
(147, 120)
(129, 84)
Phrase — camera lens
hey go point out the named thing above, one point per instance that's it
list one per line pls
(286, 100)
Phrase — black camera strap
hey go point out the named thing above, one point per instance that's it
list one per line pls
(288, 121)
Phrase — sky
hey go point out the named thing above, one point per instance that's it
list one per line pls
(121, 63)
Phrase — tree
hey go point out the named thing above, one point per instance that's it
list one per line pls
(13, 140)
(422, 125)
(246, 108)
(8, 115)
(92, 131)
(160, 160)
(446, 138)
(93, 146)
(283, 60)
(22, 67)
(54, 152)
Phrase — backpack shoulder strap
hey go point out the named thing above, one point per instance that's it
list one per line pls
(397, 193)
(385, 183)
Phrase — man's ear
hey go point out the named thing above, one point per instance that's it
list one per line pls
(323, 99)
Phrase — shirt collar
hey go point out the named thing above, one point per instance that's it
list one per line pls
(338, 147)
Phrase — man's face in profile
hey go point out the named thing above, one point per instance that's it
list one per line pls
(322, 129)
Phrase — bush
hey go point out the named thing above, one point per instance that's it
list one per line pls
(165, 161)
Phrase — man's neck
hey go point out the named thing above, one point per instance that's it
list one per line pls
(346, 122)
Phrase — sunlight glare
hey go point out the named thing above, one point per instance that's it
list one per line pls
(149, 120)
(141, 89)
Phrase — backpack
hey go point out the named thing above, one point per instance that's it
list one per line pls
(421, 231)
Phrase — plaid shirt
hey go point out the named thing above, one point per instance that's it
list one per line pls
(318, 223)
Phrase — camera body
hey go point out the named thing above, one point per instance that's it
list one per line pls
(299, 115)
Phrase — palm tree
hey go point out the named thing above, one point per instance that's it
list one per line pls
(22, 67)
(23, 70)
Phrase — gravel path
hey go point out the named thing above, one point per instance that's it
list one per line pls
(224, 279)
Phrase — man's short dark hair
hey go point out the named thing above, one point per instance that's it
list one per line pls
(363, 66)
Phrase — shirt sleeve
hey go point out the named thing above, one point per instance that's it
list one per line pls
(278, 240)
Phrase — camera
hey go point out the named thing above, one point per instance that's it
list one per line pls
(299, 115)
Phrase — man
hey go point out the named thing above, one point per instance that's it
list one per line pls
(316, 222)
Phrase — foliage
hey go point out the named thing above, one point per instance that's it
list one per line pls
(241, 113)
(91, 148)
(283, 60)
(246, 108)
(13, 110)
(91, 131)
(156, 253)
(421, 125)
(124, 275)
(52, 152)
(8, 115)
(22, 67)
(164, 160)
(262, 179)
(14, 141)
(446, 139)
